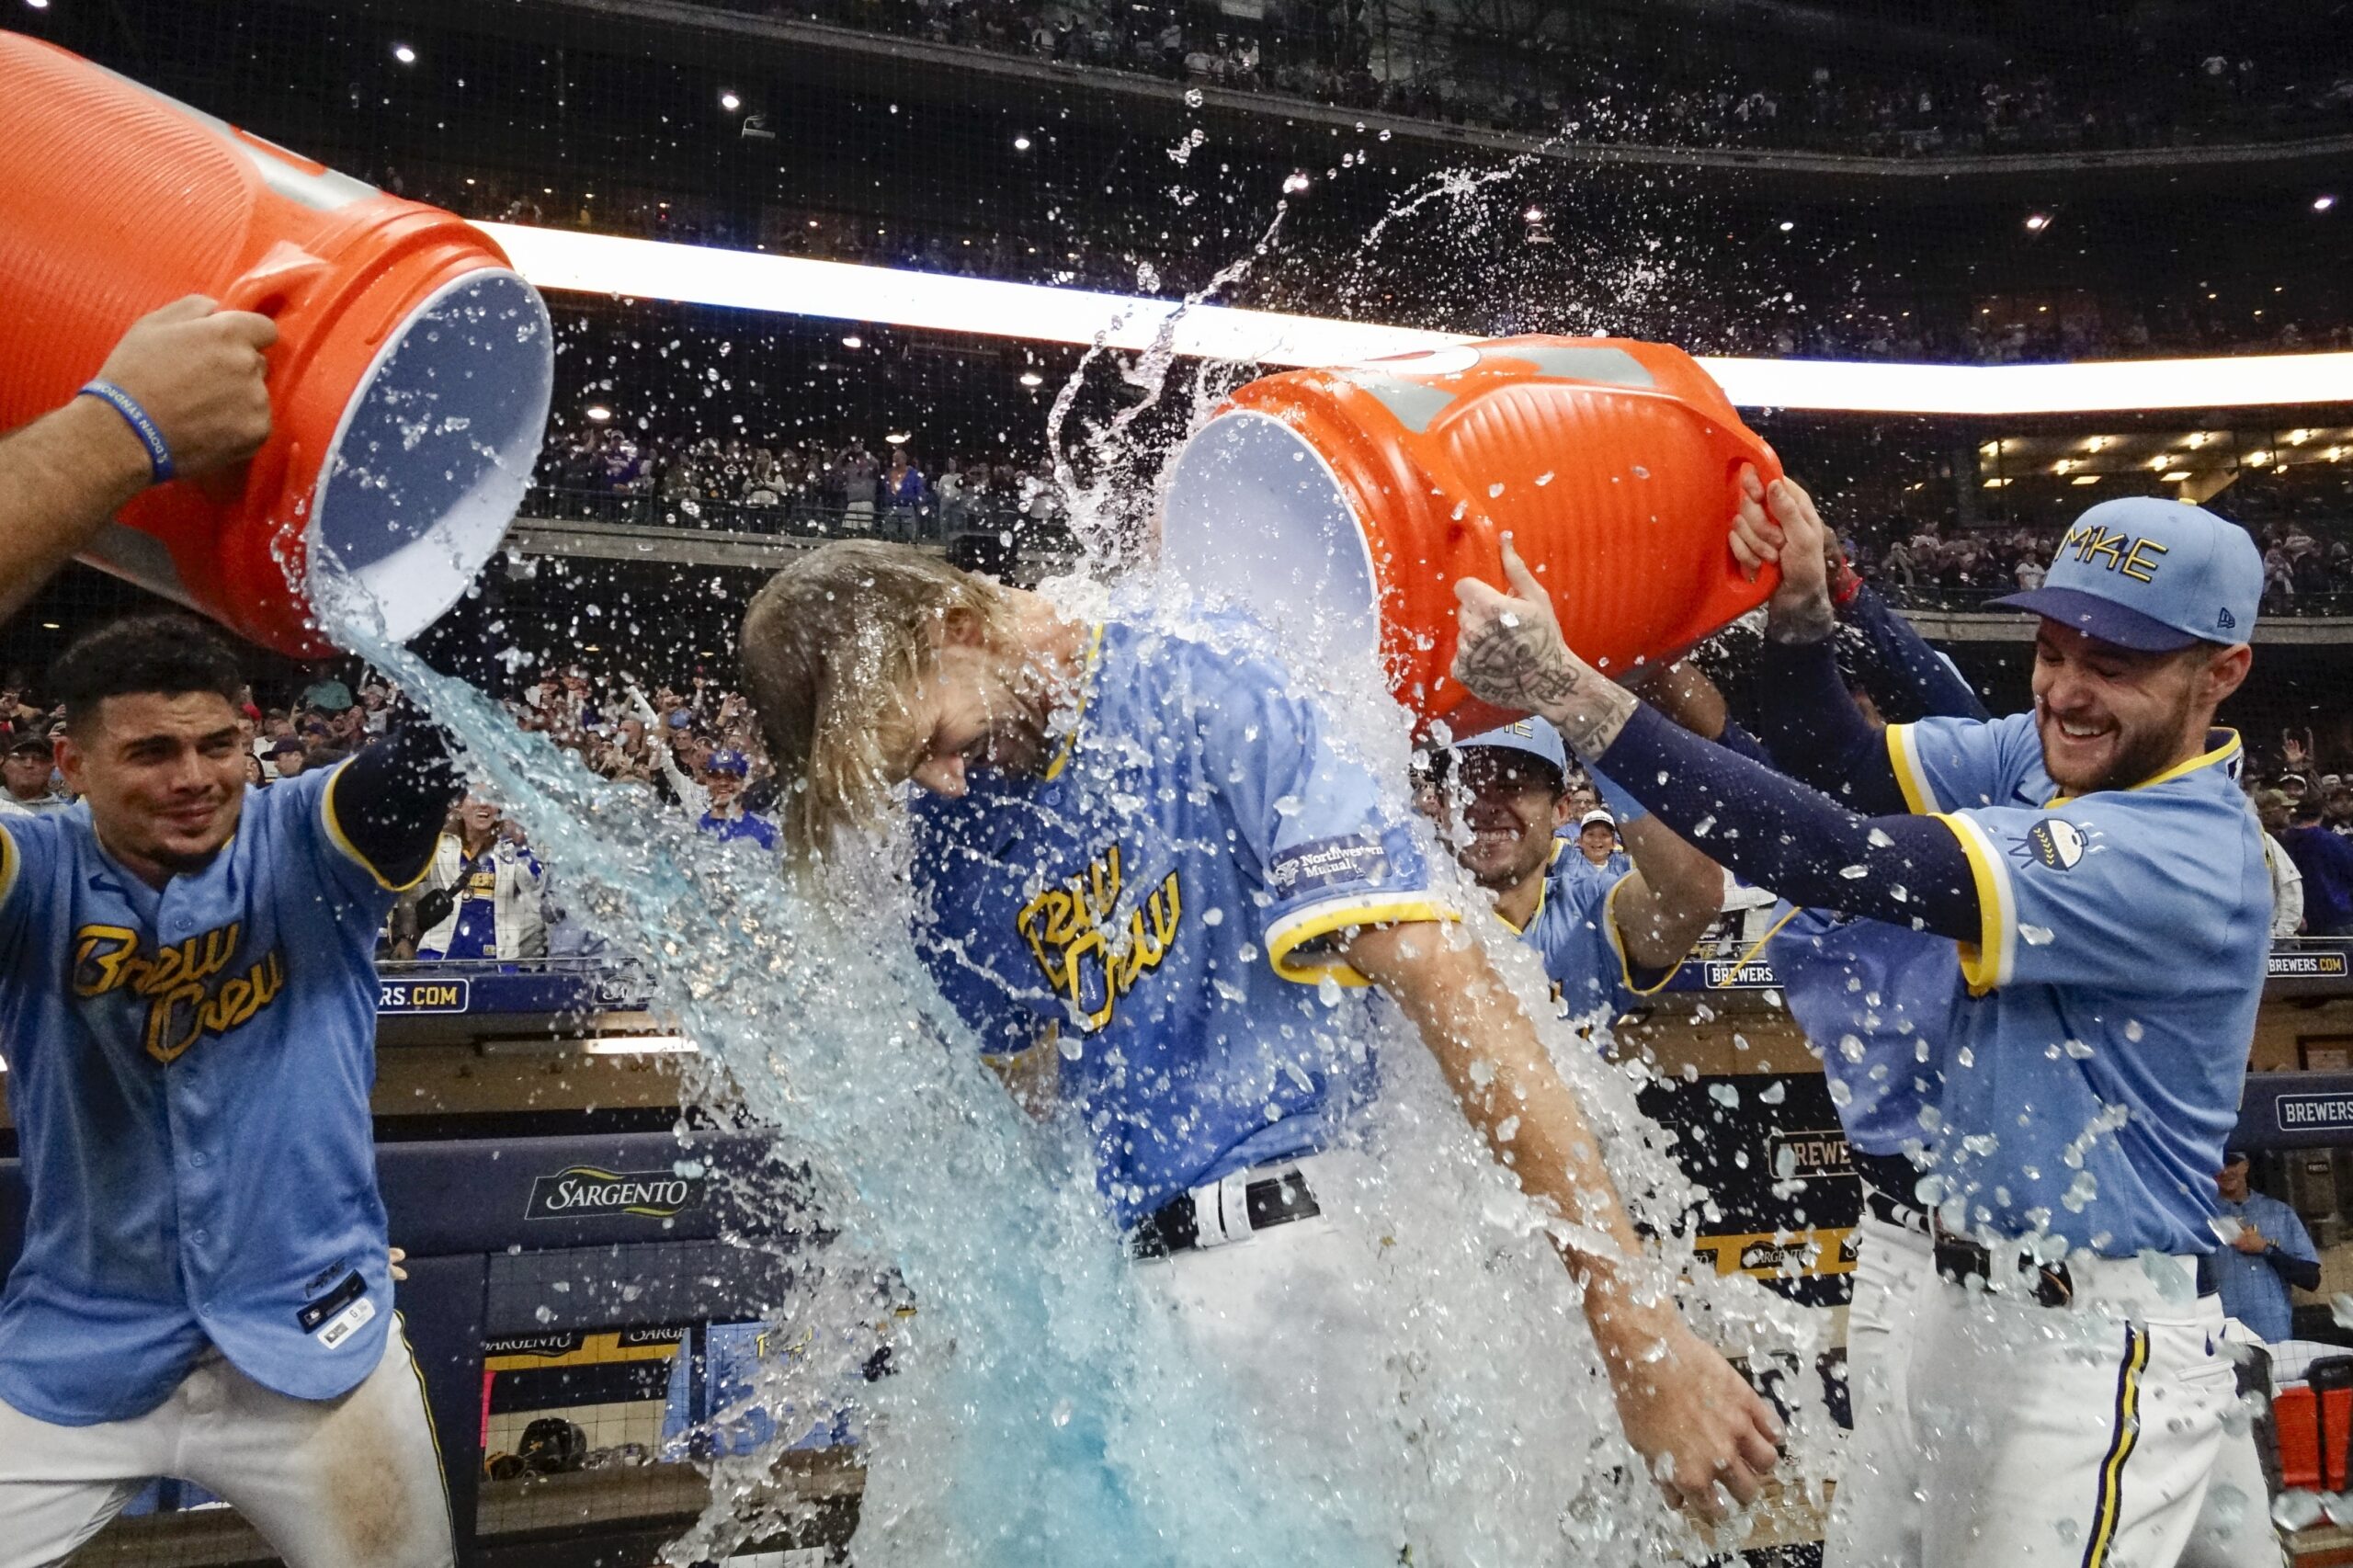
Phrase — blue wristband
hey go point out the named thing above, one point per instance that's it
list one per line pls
(1622, 806)
(159, 451)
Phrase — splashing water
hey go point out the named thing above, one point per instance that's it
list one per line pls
(1047, 1411)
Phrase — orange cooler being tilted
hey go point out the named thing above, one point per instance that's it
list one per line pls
(408, 388)
(1341, 505)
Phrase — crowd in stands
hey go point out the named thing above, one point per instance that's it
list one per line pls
(602, 473)
(1540, 83)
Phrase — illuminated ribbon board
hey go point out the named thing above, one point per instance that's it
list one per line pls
(754, 280)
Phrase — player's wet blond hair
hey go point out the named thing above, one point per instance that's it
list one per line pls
(833, 649)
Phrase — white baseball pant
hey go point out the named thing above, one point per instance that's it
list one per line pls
(349, 1483)
(1296, 1319)
(1989, 1429)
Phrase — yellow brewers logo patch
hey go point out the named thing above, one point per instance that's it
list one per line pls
(1087, 952)
(190, 993)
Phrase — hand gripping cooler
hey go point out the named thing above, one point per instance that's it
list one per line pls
(408, 387)
(1341, 505)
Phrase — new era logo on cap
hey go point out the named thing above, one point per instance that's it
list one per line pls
(2153, 575)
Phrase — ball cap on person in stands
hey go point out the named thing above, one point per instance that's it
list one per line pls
(285, 743)
(29, 745)
(2153, 575)
(1597, 817)
(731, 762)
(1531, 735)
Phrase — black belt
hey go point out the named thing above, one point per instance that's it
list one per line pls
(1174, 1226)
(1959, 1259)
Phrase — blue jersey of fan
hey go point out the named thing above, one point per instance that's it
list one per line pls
(1877, 1001)
(1576, 935)
(189, 1071)
(2108, 1001)
(1167, 896)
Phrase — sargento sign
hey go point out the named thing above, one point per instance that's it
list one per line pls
(586, 1190)
(2312, 1112)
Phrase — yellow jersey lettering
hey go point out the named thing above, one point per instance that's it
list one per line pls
(1069, 931)
(186, 998)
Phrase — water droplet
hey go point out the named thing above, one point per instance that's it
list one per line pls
(1854, 873)
(2294, 1511)
(1193, 98)
(1544, 478)
(1327, 991)
(1773, 1093)
(2038, 936)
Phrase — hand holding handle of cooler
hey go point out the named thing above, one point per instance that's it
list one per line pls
(188, 382)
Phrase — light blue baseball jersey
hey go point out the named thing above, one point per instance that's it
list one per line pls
(1877, 1001)
(1574, 932)
(1167, 895)
(2108, 1002)
(189, 1071)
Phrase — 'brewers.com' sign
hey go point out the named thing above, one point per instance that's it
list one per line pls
(586, 1192)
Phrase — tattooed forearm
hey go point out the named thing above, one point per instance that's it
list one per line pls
(1590, 727)
(1519, 662)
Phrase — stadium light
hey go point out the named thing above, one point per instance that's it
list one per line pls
(1021, 144)
(1033, 379)
(2323, 203)
(729, 102)
(1296, 182)
(404, 54)
(566, 259)
(597, 412)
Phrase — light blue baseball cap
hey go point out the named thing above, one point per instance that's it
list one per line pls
(2151, 575)
(1530, 734)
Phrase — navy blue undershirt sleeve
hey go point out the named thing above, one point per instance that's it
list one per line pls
(1810, 723)
(394, 795)
(1735, 739)
(1799, 843)
(1908, 678)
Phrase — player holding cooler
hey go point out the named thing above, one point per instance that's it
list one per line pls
(2102, 880)
(1153, 845)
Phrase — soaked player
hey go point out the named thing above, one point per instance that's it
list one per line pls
(2104, 883)
(1155, 844)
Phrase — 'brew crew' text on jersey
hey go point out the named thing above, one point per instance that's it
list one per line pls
(1574, 933)
(2110, 1000)
(1167, 895)
(189, 1071)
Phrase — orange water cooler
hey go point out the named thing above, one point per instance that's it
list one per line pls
(1343, 505)
(409, 385)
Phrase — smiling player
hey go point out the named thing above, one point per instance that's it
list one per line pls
(187, 995)
(2104, 883)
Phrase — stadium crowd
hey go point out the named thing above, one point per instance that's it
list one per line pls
(777, 485)
(1534, 84)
